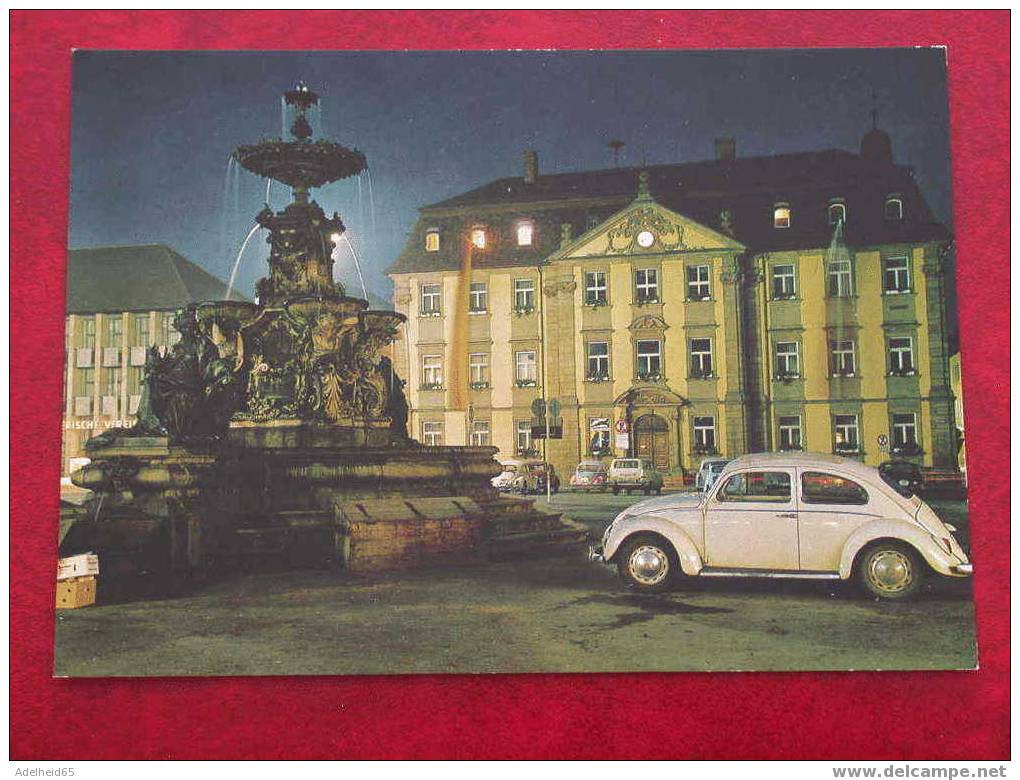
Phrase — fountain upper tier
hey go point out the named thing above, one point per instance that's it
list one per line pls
(301, 163)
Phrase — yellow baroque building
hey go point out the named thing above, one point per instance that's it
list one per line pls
(683, 311)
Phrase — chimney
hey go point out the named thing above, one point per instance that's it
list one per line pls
(530, 166)
(725, 149)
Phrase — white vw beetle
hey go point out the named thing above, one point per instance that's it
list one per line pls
(803, 515)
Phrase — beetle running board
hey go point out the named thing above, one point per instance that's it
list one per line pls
(769, 573)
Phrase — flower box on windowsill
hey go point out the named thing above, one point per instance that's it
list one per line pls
(649, 377)
(525, 383)
(705, 450)
(702, 375)
(479, 385)
(478, 311)
(843, 375)
(528, 453)
(911, 372)
(784, 377)
(597, 378)
(647, 301)
(698, 298)
(431, 314)
(523, 311)
(431, 386)
(785, 297)
(845, 450)
(897, 292)
(596, 302)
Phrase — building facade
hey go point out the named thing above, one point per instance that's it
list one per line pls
(680, 311)
(120, 301)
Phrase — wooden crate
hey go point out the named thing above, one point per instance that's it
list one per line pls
(86, 565)
(76, 592)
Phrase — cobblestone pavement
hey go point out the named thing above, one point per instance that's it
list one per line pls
(544, 614)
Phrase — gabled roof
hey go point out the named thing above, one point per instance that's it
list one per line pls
(143, 277)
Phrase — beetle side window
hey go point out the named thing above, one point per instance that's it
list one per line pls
(819, 488)
(757, 486)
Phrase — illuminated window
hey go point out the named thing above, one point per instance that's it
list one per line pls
(478, 238)
(781, 215)
(525, 233)
(432, 241)
(894, 208)
(837, 213)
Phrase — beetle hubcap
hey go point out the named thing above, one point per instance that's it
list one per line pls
(891, 571)
(649, 565)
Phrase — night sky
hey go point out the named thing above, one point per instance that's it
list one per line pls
(152, 132)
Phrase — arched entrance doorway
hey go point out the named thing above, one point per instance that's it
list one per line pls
(651, 440)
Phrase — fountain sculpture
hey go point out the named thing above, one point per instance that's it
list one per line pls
(277, 430)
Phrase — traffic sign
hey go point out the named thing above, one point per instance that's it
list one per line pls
(621, 426)
(554, 408)
(538, 407)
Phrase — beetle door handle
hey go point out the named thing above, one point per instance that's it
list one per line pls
(786, 514)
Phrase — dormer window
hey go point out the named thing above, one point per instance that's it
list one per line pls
(525, 232)
(894, 208)
(781, 216)
(837, 213)
(432, 240)
(478, 237)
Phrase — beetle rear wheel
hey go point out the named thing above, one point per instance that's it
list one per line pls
(647, 563)
(890, 570)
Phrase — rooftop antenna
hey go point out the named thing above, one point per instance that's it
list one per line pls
(616, 145)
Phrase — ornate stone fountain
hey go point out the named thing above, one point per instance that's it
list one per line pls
(277, 431)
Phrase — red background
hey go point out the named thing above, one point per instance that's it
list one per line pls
(824, 716)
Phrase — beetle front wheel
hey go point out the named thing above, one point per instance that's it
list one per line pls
(647, 563)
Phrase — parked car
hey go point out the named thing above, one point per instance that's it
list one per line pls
(511, 469)
(709, 471)
(531, 476)
(803, 515)
(629, 474)
(589, 475)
